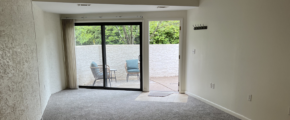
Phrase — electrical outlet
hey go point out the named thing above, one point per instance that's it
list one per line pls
(250, 98)
(213, 86)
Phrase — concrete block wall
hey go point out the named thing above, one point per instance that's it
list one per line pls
(163, 60)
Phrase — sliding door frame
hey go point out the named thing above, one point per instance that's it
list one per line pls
(103, 24)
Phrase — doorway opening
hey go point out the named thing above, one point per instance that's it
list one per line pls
(164, 56)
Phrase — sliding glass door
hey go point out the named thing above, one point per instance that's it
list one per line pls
(122, 55)
(109, 55)
(89, 55)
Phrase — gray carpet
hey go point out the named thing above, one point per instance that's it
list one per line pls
(92, 104)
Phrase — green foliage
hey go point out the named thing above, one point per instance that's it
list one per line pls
(122, 34)
(114, 34)
(164, 32)
(161, 32)
(88, 35)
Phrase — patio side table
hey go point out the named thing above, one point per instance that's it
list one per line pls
(113, 70)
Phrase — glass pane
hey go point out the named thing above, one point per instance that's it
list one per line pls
(89, 55)
(123, 51)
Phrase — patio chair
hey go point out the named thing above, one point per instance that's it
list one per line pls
(97, 71)
(132, 68)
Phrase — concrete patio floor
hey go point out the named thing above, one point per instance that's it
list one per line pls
(164, 84)
(156, 83)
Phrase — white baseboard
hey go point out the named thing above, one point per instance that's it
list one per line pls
(218, 106)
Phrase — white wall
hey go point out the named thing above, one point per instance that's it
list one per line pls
(147, 16)
(163, 60)
(244, 51)
(133, 2)
(50, 53)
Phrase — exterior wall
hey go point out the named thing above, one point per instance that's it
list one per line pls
(19, 85)
(162, 58)
(50, 53)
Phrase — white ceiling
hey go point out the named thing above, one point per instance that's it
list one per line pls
(73, 8)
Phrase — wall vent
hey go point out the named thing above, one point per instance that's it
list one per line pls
(84, 4)
(162, 7)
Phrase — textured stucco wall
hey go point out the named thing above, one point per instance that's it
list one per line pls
(163, 60)
(19, 85)
(50, 53)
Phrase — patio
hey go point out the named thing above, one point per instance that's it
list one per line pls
(163, 66)
(164, 84)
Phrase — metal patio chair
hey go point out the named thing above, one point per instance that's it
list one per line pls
(97, 71)
(132, 68)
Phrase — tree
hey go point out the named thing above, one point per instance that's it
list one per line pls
(124, 34)
(88, 35)
(161, 32)
(164, 32)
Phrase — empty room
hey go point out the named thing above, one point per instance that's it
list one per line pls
(144, 60)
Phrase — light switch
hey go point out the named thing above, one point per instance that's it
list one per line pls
(193, 51)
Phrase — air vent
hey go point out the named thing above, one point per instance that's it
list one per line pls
(84, 4)
(162, 6)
